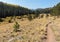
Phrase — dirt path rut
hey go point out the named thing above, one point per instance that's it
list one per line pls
(50, 34)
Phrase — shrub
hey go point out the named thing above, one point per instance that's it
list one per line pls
(16, 27)
(30, 17)
(42, 16)
(1, 20)
(36, 15)
(19, 17)
(10, 20)
(47, 15)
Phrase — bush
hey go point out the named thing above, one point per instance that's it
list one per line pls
(19, 17)
(16, 27)
(42, 16)
(10, 20)
(36, 15)
(30, 17)
(47, 15)
(1, 20)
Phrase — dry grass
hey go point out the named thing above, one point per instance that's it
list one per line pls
(30, 31)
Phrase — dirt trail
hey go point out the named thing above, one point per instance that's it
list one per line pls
(50, 34)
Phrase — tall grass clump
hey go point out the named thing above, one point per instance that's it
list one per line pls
(16, 26)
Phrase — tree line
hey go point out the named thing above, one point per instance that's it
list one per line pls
(16, 10)
(12, 10)
(55, 11)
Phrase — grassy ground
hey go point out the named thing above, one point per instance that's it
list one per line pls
(29, 31)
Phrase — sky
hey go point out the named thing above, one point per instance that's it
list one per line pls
(33, 4)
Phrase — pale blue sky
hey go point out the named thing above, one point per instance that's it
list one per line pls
(33, 4)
